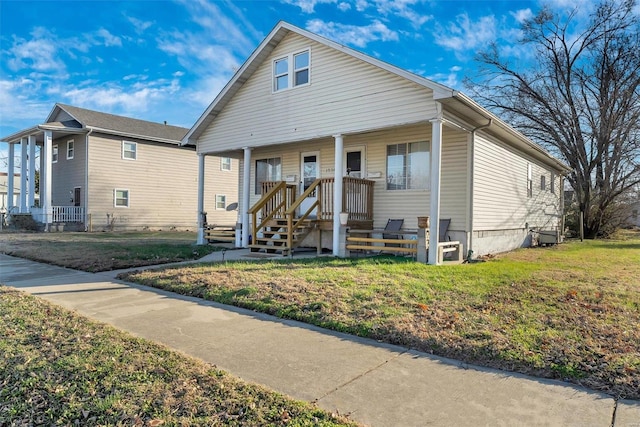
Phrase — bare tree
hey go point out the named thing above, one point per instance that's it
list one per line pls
(579, 98)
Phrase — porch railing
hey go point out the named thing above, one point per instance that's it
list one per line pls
(68, 214)
(357, 198)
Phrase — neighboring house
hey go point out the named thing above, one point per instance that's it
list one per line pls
(303, 110)
(4, 191)
(105, 172)
(634, 214)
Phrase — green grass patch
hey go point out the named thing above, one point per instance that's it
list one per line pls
(570, 312)
(58, 368)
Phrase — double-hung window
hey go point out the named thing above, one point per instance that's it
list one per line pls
(225, 163)
(408, 166)
(54, 154)
(291, 71)
(221, 201)
(70, 149)
(129, 150)
(121, 198)
(267, 170)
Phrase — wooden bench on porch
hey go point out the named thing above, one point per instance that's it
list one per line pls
(449, 247)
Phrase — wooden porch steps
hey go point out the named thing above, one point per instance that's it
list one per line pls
(275, 234)
(220, 233)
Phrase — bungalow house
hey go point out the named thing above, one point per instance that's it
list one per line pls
(320, 129)
(100, 171)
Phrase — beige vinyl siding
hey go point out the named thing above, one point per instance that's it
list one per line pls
(162, 185)
(66, 174)
(501, 201)
(345, 96)
(454, 177)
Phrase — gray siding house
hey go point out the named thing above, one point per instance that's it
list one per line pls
(320, 129)
(100, 171)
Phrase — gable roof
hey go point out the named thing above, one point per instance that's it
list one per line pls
(454, 100)
(118, 125)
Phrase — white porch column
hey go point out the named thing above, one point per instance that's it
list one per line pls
(45, 179)
(246, 187)
(436, 160)
(24, 174)
(32, 172)
(10, 174)
(337, 194)
(201, 224)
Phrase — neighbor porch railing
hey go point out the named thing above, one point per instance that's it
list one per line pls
(68, 214)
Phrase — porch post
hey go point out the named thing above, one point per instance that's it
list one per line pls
(24, 174)
(436, 160)
(337, 194)
(10, 174)
(246, 187)
(45, 179)
(201, 224)
(32, 172)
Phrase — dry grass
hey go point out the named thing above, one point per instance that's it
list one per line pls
(570, 312)
(58, 368)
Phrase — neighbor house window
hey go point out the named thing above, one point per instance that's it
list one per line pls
(267, 170)
(70, 149)
(54, 154)
(121, 198)
(408, 166)
(129, 150)
(634, 214)
(552, 183)
(543, 182)
(225, 163)
(291, 71)
(221, 201)
(529, 181)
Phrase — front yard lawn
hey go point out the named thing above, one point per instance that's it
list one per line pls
(570, 312)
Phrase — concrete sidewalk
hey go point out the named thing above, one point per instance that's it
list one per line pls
(376, 384)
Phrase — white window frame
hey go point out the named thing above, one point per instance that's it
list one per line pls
(405, 184)
(529, 180)
(71, 147)
(221, 198)
(543, 182)
(225, 163)
(115, 198)
(54, 153)
(135, 150)
(552, 183)
(291, 71)
(277, 177)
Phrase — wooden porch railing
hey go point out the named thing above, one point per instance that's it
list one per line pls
(276, 198)
(357, 198)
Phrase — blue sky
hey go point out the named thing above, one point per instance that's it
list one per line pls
(167, 60)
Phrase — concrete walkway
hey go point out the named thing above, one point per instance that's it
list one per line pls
(373, 383)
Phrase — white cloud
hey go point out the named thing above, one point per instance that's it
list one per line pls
(139, 25)
(352, 35)
(38, 53)
(108, 38)
(404, 9)
(522, 15)
(307, 6)
(344, 6)
(465, 35)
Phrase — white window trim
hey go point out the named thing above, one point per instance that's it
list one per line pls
(55, 153)
(222, 164)
(135, 144)
(225, 202)
(73, 149)
(115, 192)
(290, 71)
(407, 143)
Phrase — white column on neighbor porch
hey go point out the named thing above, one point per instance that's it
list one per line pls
(24, 174)
(32, 172)
(201, 224)
(246, 181)
(10, 174)
(45, 179)
(434, 213)
(337, 194)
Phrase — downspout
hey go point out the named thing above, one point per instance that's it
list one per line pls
(86, 181)
(471, 180)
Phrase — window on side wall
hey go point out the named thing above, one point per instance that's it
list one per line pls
(529, 181)
(54, 154)
(552, 183)
(70, 149)
(543, 182)
(129, 150)
(267, 170)
(121, 198)
(225, 163)
(291, 71)
(408, 166)
(221, 202)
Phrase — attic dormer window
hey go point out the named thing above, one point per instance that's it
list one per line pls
(291, 71)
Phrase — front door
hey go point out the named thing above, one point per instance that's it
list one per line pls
(76, 197)
(309, 172)
(354, 162)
